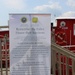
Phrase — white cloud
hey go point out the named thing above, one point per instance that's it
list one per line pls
(68, 14)
(48, 7)
(71, 3)
(15, 4)
(53, 8)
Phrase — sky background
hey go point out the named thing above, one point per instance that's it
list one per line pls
(57, 8)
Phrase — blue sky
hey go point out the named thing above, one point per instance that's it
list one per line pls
(57, 8)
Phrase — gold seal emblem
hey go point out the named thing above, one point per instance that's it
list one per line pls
(34, 19)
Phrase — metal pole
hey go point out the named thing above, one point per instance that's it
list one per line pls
(6, 55)
(1, 58)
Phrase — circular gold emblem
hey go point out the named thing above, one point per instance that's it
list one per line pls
(34, 19)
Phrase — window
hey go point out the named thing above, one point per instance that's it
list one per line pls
(62, 23)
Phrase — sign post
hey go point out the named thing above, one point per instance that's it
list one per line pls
(30, 41)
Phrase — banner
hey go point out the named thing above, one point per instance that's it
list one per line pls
(30, 41)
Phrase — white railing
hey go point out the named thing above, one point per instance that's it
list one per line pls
(63, 61)
(4, 69)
